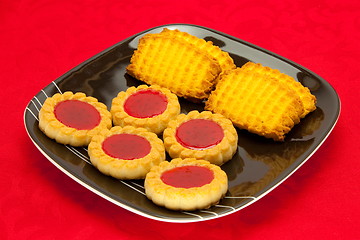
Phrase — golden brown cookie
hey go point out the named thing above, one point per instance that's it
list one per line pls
(187, 185)
(126, 153)
(150, 107)
(174, 64)
(308, 100)
(204, 135)
(223, 58)
(257, 103)
(73, 118)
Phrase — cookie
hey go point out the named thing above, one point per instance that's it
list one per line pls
(186, 184)
(126, 153)
(73, 119)
(203, 135)
(150, 107)
(257, 103)
(175, 64)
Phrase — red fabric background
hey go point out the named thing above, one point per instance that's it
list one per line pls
(41, 40)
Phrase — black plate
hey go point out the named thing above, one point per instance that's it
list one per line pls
(259, 164)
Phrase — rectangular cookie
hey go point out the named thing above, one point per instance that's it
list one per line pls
(256, 102)
(175, 64)
(223, 58)
(308, 100)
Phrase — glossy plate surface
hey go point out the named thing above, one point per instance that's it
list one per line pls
(259, 164)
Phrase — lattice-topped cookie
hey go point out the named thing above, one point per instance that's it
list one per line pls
(175, 64)
(223, 58)
(308, 100)
(257, 103)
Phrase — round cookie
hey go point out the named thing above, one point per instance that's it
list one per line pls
(73, 119)
(186, 184)
(126, 153)
(204, 135)
(150, 107)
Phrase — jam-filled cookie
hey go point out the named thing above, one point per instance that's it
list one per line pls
(186, 184)
(126, 153)
(150, 107)
(73, 118)
(203, 135)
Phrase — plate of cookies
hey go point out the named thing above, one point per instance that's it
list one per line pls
(182, 123)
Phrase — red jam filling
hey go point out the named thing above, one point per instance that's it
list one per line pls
(77, 114)
(187, 176)
(126, 146)
(145, 104)
(199, 134)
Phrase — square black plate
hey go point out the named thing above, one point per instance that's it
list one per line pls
(258, 166)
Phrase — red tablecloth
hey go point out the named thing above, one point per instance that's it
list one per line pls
(41, 40)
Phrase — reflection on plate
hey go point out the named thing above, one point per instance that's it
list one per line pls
(259, 164)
